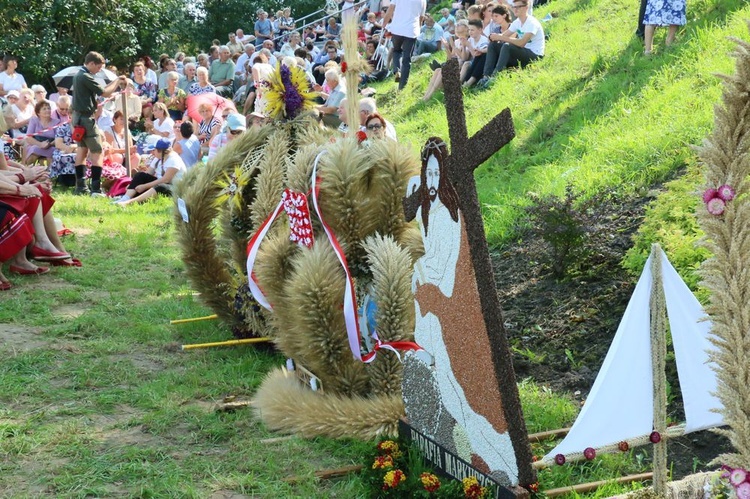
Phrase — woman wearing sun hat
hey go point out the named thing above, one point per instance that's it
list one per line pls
(166, 166)
(233, 127)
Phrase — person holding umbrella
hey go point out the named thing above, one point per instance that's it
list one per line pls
(85, 91)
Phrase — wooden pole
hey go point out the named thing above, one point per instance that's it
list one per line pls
(328, 474)
(126, 156)
(658, 319)
(229, 343)
(544, 435)
(587, 487)
(194, 319)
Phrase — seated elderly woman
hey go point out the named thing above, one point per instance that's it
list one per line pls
(40, 135)
(202, 86)
(166, 167)
(210, 124)
(173, 96)
(63, 167)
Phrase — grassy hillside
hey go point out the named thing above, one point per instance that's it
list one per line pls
(595, 113)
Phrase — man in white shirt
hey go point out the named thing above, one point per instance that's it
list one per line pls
(243, 38)
(242, 67)
(403, 20)
(521, 44)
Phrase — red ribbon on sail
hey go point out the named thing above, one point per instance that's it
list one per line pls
(297, 209)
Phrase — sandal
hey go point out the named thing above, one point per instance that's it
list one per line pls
(5, 285)
(70, 262)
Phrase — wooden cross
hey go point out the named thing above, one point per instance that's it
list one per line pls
(466, 154)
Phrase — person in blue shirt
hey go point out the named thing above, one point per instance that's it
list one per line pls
(263, 28)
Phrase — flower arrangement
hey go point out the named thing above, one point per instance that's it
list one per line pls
(716, 199)
(397, 470)
(472, 488)
(288, 93)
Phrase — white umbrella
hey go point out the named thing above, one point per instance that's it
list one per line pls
(64, 77)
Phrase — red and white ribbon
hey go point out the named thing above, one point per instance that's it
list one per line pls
(295, 204)
(296, 208)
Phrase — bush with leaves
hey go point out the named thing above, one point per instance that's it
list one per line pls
(568, 225)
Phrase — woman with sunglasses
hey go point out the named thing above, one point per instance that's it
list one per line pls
(375, 127)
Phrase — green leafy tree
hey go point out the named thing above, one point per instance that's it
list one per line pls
(52, 34)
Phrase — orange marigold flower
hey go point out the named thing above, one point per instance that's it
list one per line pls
(534, 487)
(393, 478)
(472, 489)
(389, 447)
(430, 482)
(382, 462)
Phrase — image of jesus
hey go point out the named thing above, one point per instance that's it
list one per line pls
(450, 326)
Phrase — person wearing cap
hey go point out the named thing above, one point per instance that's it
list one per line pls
(234, 125)
(166, 166)
(258, 119)
(86, 89)
(9, 78)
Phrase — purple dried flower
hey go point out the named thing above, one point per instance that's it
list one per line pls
(292, 99)
(655, 437)
(716, 206)
(560, 459)
(726, 192)
(589, 453)
(709, 194)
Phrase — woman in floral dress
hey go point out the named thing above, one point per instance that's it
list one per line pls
(663, 13)
(64, 154)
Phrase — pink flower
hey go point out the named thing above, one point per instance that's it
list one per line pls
(560, 459)
(655, 437)
(709, 194)
(743, 491)
(726, 192)
(716, 206)
(589, 453)
(737, 476)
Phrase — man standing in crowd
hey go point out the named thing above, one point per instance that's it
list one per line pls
(263, 28)
(85, 91)
(405, 18)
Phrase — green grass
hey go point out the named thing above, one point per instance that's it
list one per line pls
(94, 403)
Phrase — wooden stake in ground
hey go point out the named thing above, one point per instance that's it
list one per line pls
(194, 319)
(228, 343)
(658, 312)
(126, 156)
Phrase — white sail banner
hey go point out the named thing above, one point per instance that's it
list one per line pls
(620, 404)
(691, 329)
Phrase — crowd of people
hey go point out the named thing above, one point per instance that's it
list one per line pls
(80, 136)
